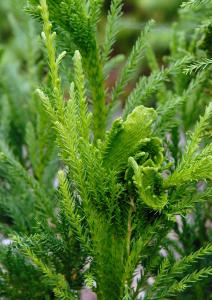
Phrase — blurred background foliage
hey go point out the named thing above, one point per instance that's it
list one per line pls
(137, 12)
(24, 130)
(19, 70)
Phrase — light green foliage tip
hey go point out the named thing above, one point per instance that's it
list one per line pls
(123, 139)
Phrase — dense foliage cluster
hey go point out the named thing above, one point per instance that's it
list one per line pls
(92, 203)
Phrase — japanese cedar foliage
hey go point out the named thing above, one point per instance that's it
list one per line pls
(122, 187)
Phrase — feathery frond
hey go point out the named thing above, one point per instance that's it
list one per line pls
(194, 3)
(194, 165)
(112, 28)
(130, 68)
(198, 66)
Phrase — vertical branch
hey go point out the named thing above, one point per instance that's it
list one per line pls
(96, 79)
(49, 38)
(129, 224)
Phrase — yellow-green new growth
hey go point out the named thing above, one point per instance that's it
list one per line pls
(149, 184)
(124, 137)
(49, 39)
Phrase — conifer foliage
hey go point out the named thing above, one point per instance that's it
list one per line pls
(125, 188)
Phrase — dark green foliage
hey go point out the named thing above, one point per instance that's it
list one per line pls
(124, 212)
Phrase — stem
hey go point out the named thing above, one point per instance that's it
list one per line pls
(96, 81)
(129, 224)
(128, 240)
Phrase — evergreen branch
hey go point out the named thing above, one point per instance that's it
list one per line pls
(68, 144)
(180, 266)
(186, 282)
(69, 210)
(147, 86)
(195, 169)
(68, 132)
(195, 3)
(167, 118)
(72, 17)
(84, 117)
(187, 202)
(49, 38)
(167, 273)
(95, 10)
(139, 248)
(198, 66)
(194, 166)
(16, 171)
(199, 132)
(130, 68)
(112, 28)
(95, 74)
(47, 105)
(57, 281)
(72, 127)
(169, 111)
